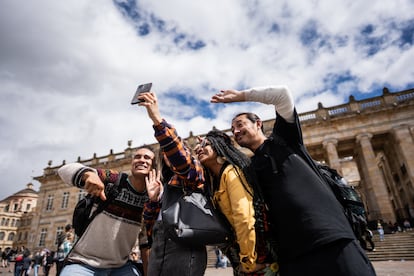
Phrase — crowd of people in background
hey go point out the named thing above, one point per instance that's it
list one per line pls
(381, 228)
(39, 262)
(399, 226)
(22, 262)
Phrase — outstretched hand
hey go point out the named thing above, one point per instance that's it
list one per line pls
(228, 96)
(154, 185)
(94, 185)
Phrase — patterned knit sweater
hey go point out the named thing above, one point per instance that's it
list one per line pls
(110, 237)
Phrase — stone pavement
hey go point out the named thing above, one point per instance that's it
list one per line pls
(383, 268)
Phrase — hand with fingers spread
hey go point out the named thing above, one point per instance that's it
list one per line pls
(154, 185)
(228, 96)
(94, 185)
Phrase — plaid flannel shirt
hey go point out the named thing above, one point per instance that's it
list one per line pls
(188, 171)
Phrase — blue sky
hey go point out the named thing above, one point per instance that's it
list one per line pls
(69, 69)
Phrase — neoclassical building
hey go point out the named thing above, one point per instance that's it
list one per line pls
(15, 217)
(369, 141)
(375, 136)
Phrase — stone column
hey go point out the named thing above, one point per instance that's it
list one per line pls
(330, 146)
(376, 191)
(405, 152)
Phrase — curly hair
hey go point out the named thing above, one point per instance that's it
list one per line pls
(224, 147)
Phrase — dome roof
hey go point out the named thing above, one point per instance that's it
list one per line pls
(29, 191)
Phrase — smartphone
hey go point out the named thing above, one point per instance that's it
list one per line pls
(141, 88)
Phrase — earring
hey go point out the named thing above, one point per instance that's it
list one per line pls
(220, 160)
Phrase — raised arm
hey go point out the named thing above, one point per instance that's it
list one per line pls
(187, 168)
(279, 96)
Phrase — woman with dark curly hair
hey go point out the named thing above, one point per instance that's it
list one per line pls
(229, 180)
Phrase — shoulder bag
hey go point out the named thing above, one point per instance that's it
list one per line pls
(192, 219)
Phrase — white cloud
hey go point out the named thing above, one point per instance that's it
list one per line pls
(69, 69)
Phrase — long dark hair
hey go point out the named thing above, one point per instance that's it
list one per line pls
(224, 147)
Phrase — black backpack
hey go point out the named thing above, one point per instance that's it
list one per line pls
(83, 215)
(350, 200)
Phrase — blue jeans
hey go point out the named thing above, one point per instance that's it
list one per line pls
(85, 270)
(36, 269)
(18, 270)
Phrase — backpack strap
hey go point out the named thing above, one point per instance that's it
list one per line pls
(112, 193)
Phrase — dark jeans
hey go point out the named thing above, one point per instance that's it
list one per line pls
(18, 269)
(170, 258)
(59, 267)
(341, 258)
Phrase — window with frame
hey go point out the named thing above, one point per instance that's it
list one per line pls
(10, 237)
(2, 234)
(59, 231)
(49, 204)
(65, 200)
(43, 234)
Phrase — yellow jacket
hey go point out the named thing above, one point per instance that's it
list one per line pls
(237, 205)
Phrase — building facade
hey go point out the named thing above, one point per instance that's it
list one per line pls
(375, 136)
(15, 217)
(369, 141)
